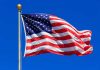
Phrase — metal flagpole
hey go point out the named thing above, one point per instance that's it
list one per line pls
(19, 7)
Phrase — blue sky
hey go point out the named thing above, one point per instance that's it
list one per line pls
(83, 14)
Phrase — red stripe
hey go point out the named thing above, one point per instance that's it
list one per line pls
(64, 30)
(88, 52)
(68, 30)
(53, 45)
(36, 53)
(54, 52)
(55, 18)
(45, 36)
(87, 42)
(84, 36)
(57, 38)
(54, 38)
(62, 23)
(86, 48)
(59, 24)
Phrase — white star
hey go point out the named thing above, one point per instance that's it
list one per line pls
(26, 17)
(46, 28)
(36, 15)
(43, 26)
(27, 27)
(31, 19)
(41, 15)
(38, 22)
(32, 31)
(46, 18)
(35, 21)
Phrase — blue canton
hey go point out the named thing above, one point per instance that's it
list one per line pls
(36, 23)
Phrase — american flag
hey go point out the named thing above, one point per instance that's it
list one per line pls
(47, 33)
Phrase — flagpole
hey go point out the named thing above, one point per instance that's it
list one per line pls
(19, 7)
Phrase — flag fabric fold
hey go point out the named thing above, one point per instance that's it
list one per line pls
(47, 33)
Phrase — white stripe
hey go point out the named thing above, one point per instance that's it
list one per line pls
(52, 35)
(62, 21)
(49, 40)
(90, 49)
(85, 31)
(86, 39)
(55, 42)
(54, 21)
(55, 49)
(58, 35)
(54, 17)
(73, 36)
(68, 27)
(45, 33)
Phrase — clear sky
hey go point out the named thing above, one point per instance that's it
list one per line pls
(83, 14)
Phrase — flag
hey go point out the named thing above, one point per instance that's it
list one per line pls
(46, 33)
